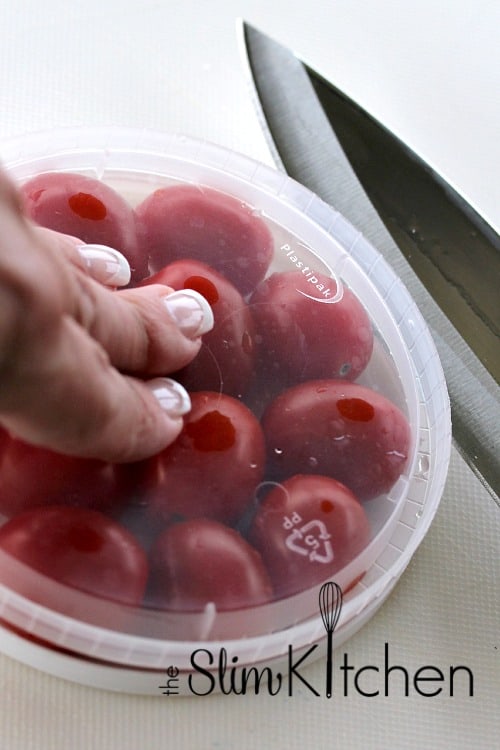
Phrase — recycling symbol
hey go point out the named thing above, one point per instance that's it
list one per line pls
(311, 540)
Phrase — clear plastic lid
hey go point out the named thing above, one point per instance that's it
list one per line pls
(327, 262)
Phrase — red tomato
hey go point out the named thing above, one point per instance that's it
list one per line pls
(307, 530)
(214, 466)
(306, 335)
(81, 548)
(85, 208)
(338, 429)
(227, 358)
(4, 440)
(31, 476)
(188, 221)
(200, 561)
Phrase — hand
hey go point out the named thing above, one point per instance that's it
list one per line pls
(82, 367)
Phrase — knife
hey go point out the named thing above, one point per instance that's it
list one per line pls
(445, 253)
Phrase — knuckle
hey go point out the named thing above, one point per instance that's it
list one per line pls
(86, 304)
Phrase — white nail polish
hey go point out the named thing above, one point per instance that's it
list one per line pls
(191, 312)
(172, 396)
(106, 264)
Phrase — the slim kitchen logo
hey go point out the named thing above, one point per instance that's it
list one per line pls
(221, 672)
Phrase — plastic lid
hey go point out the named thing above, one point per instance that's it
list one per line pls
(404, 367)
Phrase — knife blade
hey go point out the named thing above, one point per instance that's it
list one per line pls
(444, 252)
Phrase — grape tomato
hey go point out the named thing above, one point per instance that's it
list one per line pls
(187, 221)
(226, 360)
(81, 548)
(200, 561)
(214, 466)
(306, 335)
(85, 208)
(307, 529)
(32, 476)
(339, 429)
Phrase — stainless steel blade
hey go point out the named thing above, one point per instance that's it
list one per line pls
(453, 251)
(304, 144)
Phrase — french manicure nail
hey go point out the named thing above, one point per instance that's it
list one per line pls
(191, 312)
(172, 396)
(106, 264)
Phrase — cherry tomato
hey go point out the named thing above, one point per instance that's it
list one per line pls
(187, 221)
(307, 530)
(338, 429)
(227, 357)
(200, 561)
(214, 466)
(85, 208)
(81, 548)
(307, 335)
(31, 476)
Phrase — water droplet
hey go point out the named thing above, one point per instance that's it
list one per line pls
(413, 225)
(344, 369)
(278, 451)
(312, 461)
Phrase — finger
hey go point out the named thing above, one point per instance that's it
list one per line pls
(144, 331)
(102, 263)
(147, 331)
(150, 330)
(95, 411)
(60, 388)
(105, 264)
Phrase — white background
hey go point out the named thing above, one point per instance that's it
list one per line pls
(429, 71)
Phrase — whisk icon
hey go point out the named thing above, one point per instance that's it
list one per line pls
(330, 606)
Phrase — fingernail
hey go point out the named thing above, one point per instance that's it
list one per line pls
(172, 396)
(106, 264)
(191, 312)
